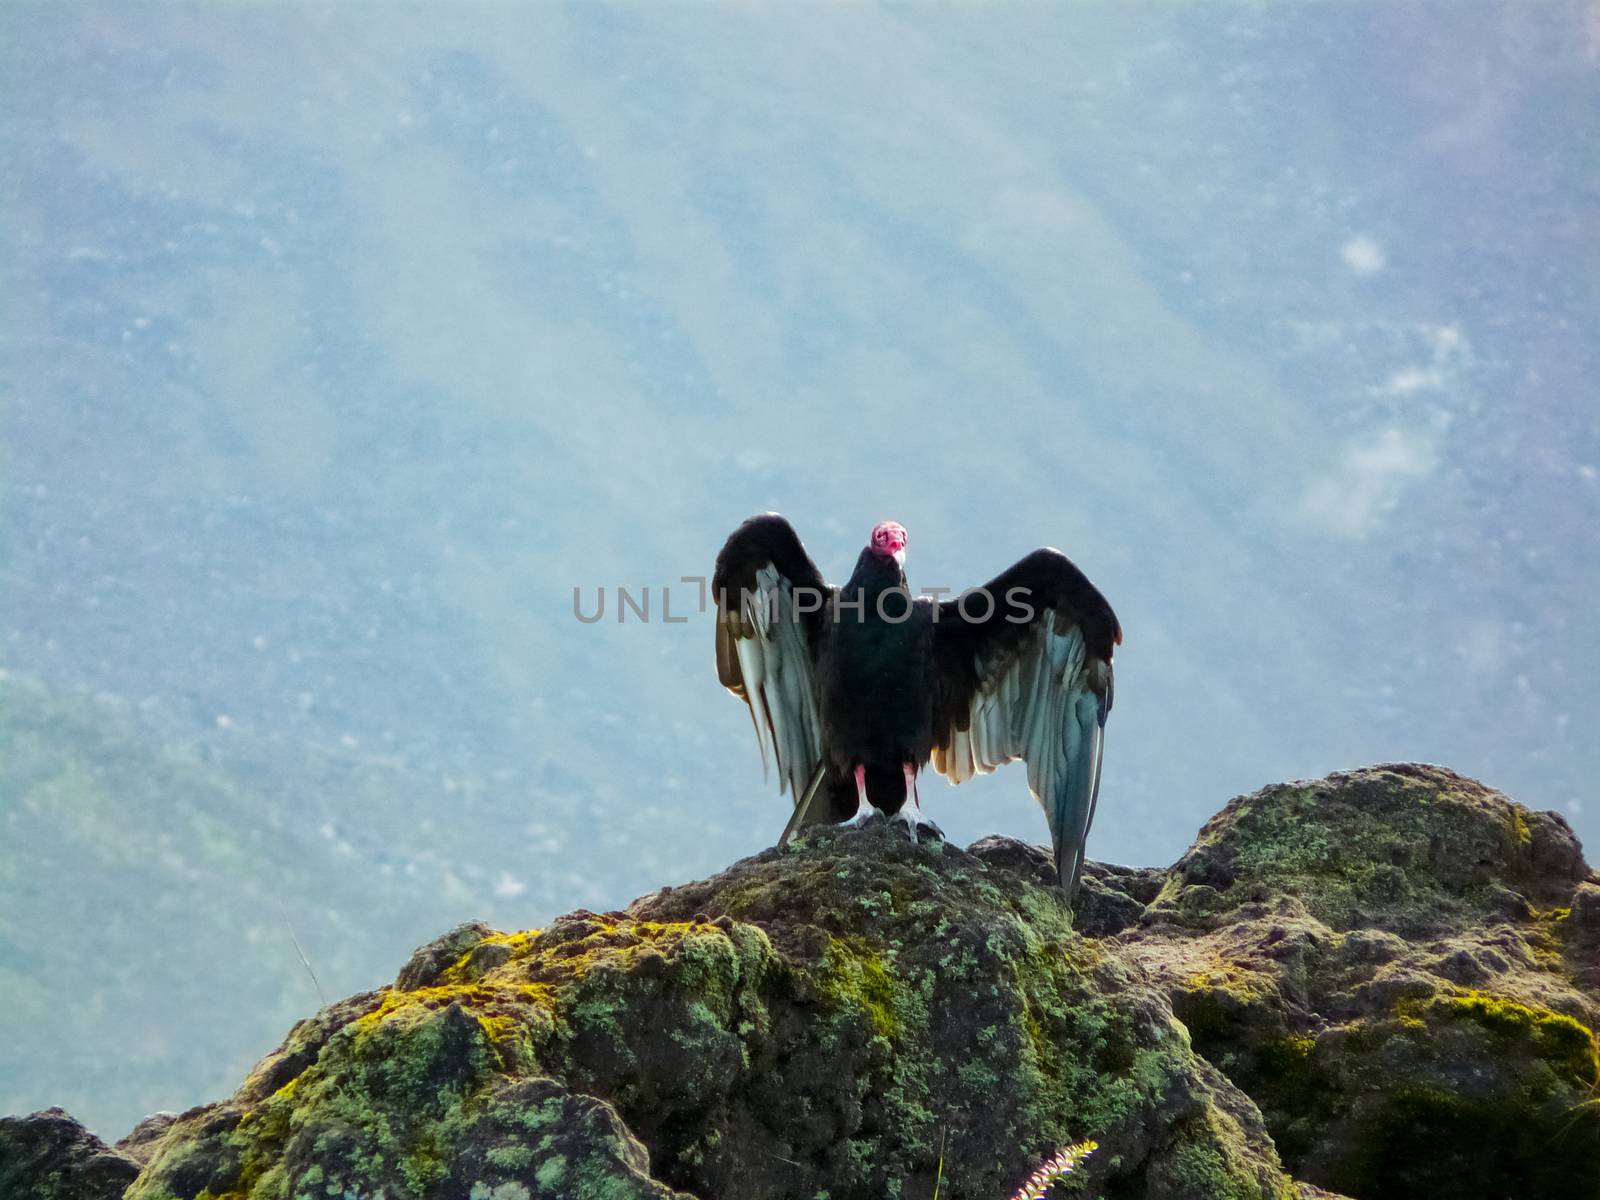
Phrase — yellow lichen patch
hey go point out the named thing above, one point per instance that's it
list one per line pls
(622, 945)
(1546, 936)
(394, 1002)
(1038, 1037)
(703, 956)
(1566, 1044)
(855, 977)
(520, 944)
(500, 1029)
(1242, 983)
(482, 998)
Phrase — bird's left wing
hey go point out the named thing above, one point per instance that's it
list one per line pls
(770, 604)
(1024, 671)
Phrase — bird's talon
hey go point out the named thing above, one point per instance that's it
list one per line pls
(918, 827)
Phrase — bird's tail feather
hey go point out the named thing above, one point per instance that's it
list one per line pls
(803, 806)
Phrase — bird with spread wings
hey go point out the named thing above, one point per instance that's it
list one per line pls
(854, 688)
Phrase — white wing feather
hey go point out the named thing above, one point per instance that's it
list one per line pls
(1038, 706)
(775, 664)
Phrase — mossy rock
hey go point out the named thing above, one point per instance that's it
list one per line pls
(1386, 962)
(1410, 848)
(853, 1017)
(1387, 977)
(49, 1156)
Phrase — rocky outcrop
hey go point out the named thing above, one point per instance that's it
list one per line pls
(1397, 966)
(49, 1156)
(855, 1017)
(1381, 984)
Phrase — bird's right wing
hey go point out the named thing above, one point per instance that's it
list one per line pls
(1025, 672)
(771, 601)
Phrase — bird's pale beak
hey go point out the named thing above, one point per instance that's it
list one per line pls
(899, 557)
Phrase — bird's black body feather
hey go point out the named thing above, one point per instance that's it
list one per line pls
(875, 680)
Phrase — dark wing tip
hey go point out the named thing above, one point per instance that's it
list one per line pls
(761, 539)
(1051, 570)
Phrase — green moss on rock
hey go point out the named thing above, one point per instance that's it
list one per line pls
(1387, 977)
(1407, 847)
(819, 1020)
(1567, 1045)
(1378, 959)
(49, 1156)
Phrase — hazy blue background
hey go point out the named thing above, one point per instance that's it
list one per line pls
(341, 343)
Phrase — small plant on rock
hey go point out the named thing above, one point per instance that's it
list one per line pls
(1053, 1169)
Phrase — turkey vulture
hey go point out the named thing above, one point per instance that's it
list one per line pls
(853, 689)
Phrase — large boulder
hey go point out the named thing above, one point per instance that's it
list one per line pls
(1396, 965)
(49, 1156)
(1390, 978)
(854, 1017)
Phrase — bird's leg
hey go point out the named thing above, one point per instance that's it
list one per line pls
(864, 810)
(911, 812)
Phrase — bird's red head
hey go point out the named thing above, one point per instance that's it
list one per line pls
(889, 539)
